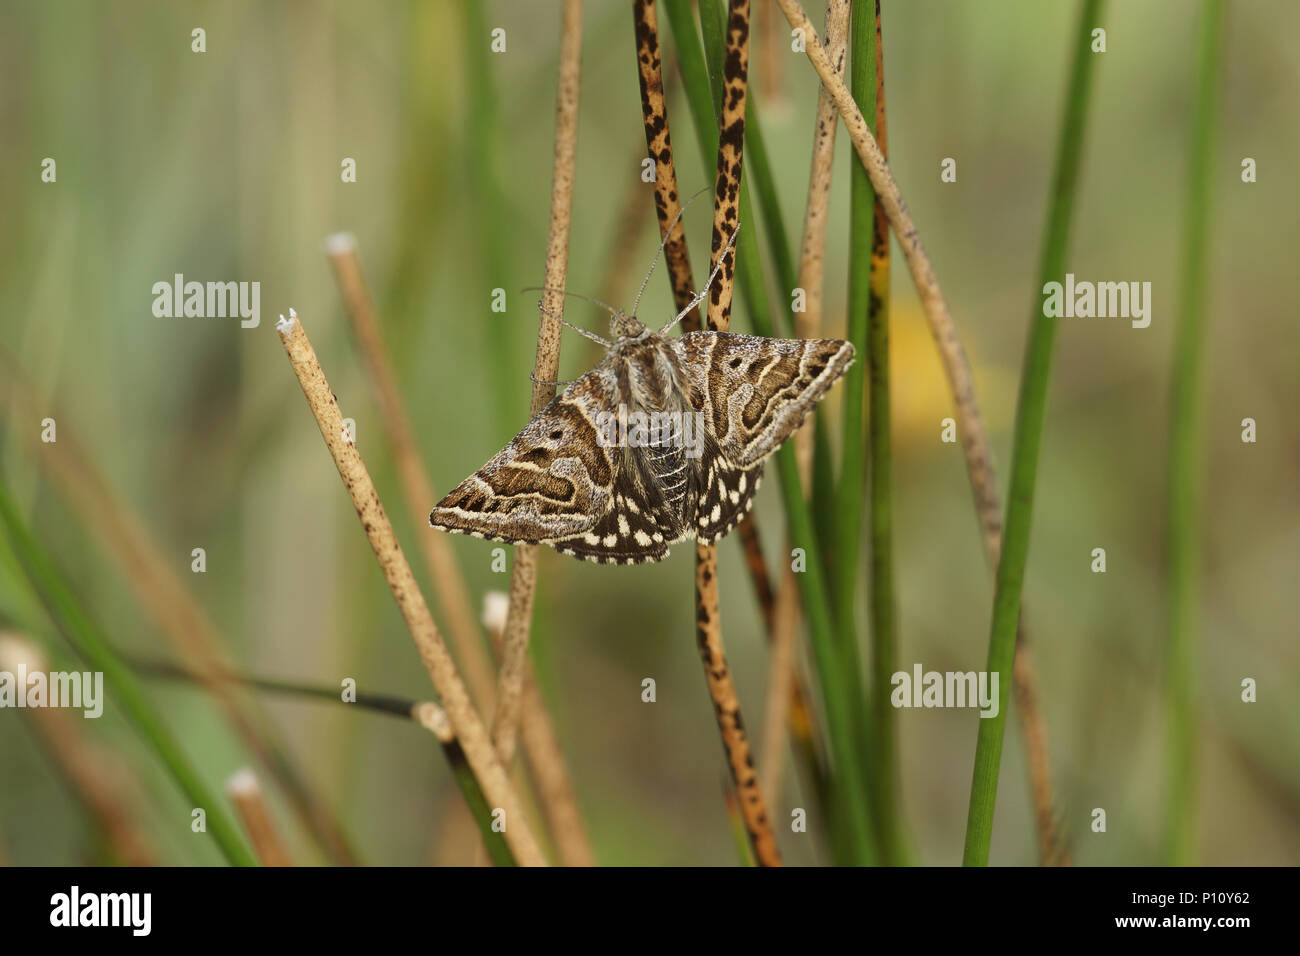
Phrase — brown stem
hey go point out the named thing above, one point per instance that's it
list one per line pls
(546, 368)
(726, 218)
(979, 462)
(812, 250)
(479, 751)
(781, 687)
(726, 707)
(250, 802)
(654, 111)
(542, 743)
(667, 206)
(1052, 849)
(544, 755)
(444, 573)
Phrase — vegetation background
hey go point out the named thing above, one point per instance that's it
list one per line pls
(225, 165)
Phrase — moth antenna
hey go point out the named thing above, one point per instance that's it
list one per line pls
(703, 293)
(663, 243)
(537, 381)
(577, 295)
(581, 331)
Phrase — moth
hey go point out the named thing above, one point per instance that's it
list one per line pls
(664, 440)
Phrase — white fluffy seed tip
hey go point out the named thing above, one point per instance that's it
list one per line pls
(17, 653)
(284, 325)
(341, 243)
(242, 783)
(496, 607)
(435, 719)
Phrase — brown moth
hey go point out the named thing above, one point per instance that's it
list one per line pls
(665, 439)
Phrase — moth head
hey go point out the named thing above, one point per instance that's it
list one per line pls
(624, 326)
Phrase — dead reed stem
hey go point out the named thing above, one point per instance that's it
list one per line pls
(975, 445)
(1052, 849)
(751, 541)
(545, 758)
(979, 463)
(103, 791)
(812, 250)
(250, 802)
(708, 625)
(772, 41)
(473, 735)
(174, 611)
(444, 573)
(726, 707)
(551, 777)
(781, 687)
(554, 787)
(546, 368)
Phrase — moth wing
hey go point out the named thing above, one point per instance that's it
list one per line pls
(756, 391)
(726, 493)
(553, 480)
(632, 531)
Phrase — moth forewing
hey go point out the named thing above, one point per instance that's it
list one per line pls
(756, 390)
(552, 480)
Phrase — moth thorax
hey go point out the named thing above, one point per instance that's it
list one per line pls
(653, 378)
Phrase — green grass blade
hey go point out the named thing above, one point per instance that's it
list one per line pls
(823, 492)
(851, 489)
(66, 612)
(1185, 464)
(869, 250)
(494, 842)
(1030, 412)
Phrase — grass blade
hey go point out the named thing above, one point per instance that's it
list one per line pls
(851, 489)
(1185, 465)
(1030, 413)
(66, 612)
(884, 742)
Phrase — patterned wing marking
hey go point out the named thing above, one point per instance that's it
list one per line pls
(632, 531)
(552, 481)
(726, 494)
(756, 391)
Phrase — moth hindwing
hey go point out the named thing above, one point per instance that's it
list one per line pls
(665, 439)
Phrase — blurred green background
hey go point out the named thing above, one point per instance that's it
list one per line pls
(225, 165)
